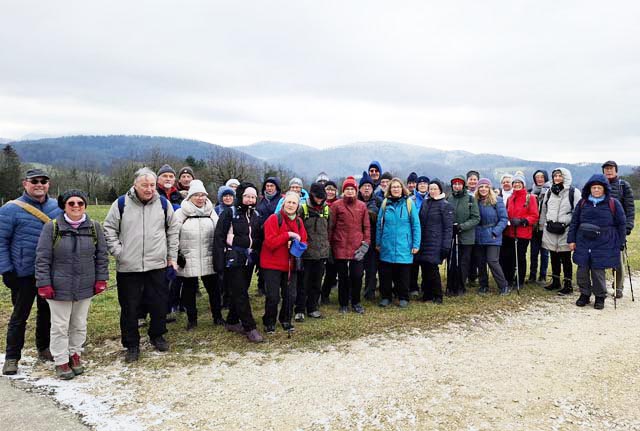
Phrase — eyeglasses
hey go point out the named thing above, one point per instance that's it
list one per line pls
(35, 181)
(75, 203)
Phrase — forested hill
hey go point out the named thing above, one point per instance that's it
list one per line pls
(102, 151)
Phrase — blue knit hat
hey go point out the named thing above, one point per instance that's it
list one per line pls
(225, 190)
(366, 179)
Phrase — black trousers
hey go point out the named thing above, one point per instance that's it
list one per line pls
(237, 281)
(413, 277)
(349, 281)
(23, 292)
(464, 254)
(395, 275)
(561, 260)
(148, 289)
(330, 279)
(278, 284)
(371, 263)
(308, 292)
(189, 290)
(431, 281)
(175, 294)
(508, 259)
(474, 265)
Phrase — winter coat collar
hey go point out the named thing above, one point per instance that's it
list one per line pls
(190, 209)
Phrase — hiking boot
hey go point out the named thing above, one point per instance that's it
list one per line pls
(567, 289)
(191, 326)
(542, 280)
(64, 372)
(583, 300)
(288, 326)
(531, 279)
(76, 364)
(45, 355)
(599, 304)
(403, 303)
(357, 308)
(344, 310)
(414, 294)
(160, 344)
(236, 327)
(270, 329)
(384, 303)
(254, 336)
(218, 321)
(315, 314)
(619, 294)
(504, 290)
(437, 300)
(132, 355)
(299, 317)
(10, 367)
(555, 285)
(483, 290)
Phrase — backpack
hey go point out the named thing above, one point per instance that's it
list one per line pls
(279, 217)
(612, 205)
(57, 234)
(383, 207)
(571, 197)
(163, 201)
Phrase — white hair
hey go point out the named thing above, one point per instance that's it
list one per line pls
(144, 172)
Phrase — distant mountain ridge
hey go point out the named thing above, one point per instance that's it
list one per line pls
(272, 149)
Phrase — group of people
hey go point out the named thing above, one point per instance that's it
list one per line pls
(167, 236)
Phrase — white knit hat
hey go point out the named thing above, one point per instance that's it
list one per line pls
(232, 182)
(196, 186)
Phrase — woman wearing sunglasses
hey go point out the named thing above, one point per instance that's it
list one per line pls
(71, 267)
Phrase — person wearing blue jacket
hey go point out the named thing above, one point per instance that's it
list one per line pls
(398, 240)
(493, 220)
(295, 185)
(21, 222)
(596, 235)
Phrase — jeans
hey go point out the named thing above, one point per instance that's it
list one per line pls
(23, 292)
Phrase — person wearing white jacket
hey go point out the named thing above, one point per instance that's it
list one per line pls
(195, 222)
(556, 210)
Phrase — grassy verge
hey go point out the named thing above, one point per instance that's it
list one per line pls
(333, 328)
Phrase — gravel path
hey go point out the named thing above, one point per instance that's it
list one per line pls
(550, 367)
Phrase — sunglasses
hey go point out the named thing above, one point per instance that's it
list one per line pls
(37, 181)
(75, 203)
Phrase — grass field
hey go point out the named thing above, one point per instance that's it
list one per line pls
(312, 334)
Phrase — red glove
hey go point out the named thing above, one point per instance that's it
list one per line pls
(99, 287)
(46, 292)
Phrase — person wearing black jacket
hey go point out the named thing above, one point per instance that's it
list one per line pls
(621, 190)
(237, 239)
(372, 258)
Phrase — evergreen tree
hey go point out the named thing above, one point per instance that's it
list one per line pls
(10, 174)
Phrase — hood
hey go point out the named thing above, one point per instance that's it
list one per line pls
(596, 178)
(543, 172)
(566, 174)
(464, 185)
(225, 190)
(377, 165)
(274, 180)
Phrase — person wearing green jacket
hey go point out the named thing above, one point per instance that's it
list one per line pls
(466, 218)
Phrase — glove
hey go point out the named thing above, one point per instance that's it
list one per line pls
(515, 222)
(46, 292)
(99, 287)
(9, 278)
(361, 251)
(444, 253)
(628, 231)
(456, 228)
(182, 261)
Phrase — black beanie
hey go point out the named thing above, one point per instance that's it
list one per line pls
(317, 190)
(386, 176)
(65, 196)
(438, 183)
(412, 178)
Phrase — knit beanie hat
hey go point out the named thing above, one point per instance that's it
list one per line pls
(223, 191)
(331, 183)
(186, 170)
(422, 179)
(317, 190)
(485, 181)
(472, 172)
(295, 181)
(412, 178)
(505, 176)
(349, 182)
(196, 187)
(165, 169)
(366, 179)
(65, 196)
(519, 178)
(250, 191)
(232, 182)
(386, 176)
(322, 177)
(438, 183)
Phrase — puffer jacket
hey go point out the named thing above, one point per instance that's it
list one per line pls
(539, 192)
(517, 207)
(599, 251)
(467, 214)
(348, 227)
(397, 231)
(436, 223)
(621, 190)
(275, 250)
(267, 206)
(304, 198)
(557, 208)
(195, 228)
(316, 223)
(493, 221)
(143, 240)
(240, 227)
(74, 262)
(19, 234)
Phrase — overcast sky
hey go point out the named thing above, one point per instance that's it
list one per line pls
(534, 79)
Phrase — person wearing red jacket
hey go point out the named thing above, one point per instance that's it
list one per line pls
(350, 237)
(522, 211)
(278, 265)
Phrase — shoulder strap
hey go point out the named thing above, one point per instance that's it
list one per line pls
(32, 210)
(326, 211)
(572, 192)
(56, 232)
(57, 235)
(409, 206)
(279, 217)
(612, 207)
(383, 207)
(547, 195)
(163, 201)
(305, 211)
(526, 200)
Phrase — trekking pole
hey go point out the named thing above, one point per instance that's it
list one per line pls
(615, 289)
(458, 267)
(515, 234)
(286, 299)
(626, 256)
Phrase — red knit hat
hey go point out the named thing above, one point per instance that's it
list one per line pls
(349, 182)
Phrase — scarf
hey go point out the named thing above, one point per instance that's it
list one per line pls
(74, 224)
